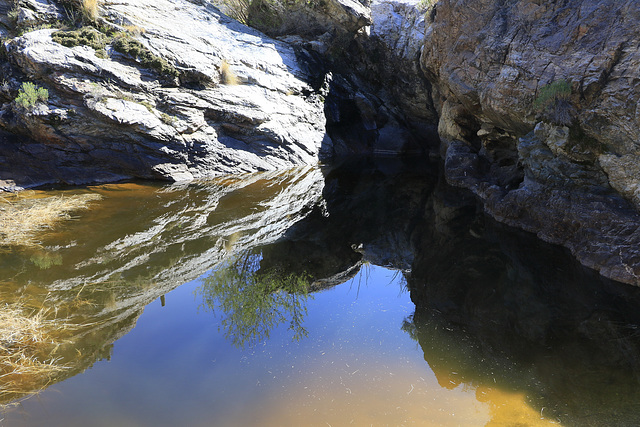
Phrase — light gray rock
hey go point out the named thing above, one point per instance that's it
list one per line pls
(154, 128)
(399, 25)
(398, 28)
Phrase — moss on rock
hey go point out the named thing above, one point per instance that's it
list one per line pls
(132, 47)
(86, 36)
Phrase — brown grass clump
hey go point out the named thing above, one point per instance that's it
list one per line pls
(22, 219)
(28, 341)
(89, 10)
(227, 75)
(134, 30)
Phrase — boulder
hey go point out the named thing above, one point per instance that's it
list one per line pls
(219, 98)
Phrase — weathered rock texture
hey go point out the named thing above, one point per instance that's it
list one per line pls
(497, 307)
(384, 106)
(474, 69)
(488, 62)
(240, 102)
(399, 27)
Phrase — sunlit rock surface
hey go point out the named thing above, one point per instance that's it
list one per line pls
(241, 102)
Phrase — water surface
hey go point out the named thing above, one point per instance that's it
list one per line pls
(368, 294)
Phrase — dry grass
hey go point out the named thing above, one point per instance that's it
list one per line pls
(22, 219)
(227, 76)
(134, 30)
(89, 10)
(28, 342)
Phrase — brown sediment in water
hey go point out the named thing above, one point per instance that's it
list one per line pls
(372, 395)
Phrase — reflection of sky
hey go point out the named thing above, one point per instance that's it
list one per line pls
(176, 368)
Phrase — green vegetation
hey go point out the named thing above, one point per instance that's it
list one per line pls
(86, 36)
(46, 260)
(554, 103)
(13, 14)
(147, 105)
(255, 301)
(133, 48)
(121, 42)
(423, 5)
(167, 119)
(29, 94)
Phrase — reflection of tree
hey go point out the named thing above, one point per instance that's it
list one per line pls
(253, 301)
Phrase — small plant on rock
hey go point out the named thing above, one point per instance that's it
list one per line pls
(227, 76)
(89, 11)
(133, 48)
(29, 94)
(167, 119)
(426, 4)
(554, 103)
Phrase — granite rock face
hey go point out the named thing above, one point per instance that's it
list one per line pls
(380, 103)
(537, 106)
(237, 102)
(399, 27)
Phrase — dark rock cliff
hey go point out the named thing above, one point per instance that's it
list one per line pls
(537, 116)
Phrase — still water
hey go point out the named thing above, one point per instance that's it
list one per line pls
(356, 366)
(367, 294)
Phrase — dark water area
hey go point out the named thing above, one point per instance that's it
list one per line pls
(366, 293)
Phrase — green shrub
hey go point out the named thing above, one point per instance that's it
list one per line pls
(167, 119)
(86, 36)
(131, 47)
(426, 4)
(29, 94)
(554, 103)
(147, 105)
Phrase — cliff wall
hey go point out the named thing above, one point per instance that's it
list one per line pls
(538, 116)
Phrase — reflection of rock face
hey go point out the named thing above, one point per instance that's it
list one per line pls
(369, 210)
(500, 308)
(518, 311)
(140, 242)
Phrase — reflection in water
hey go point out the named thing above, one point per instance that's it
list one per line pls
(512, 330)
(253, 302)
(95, 274)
